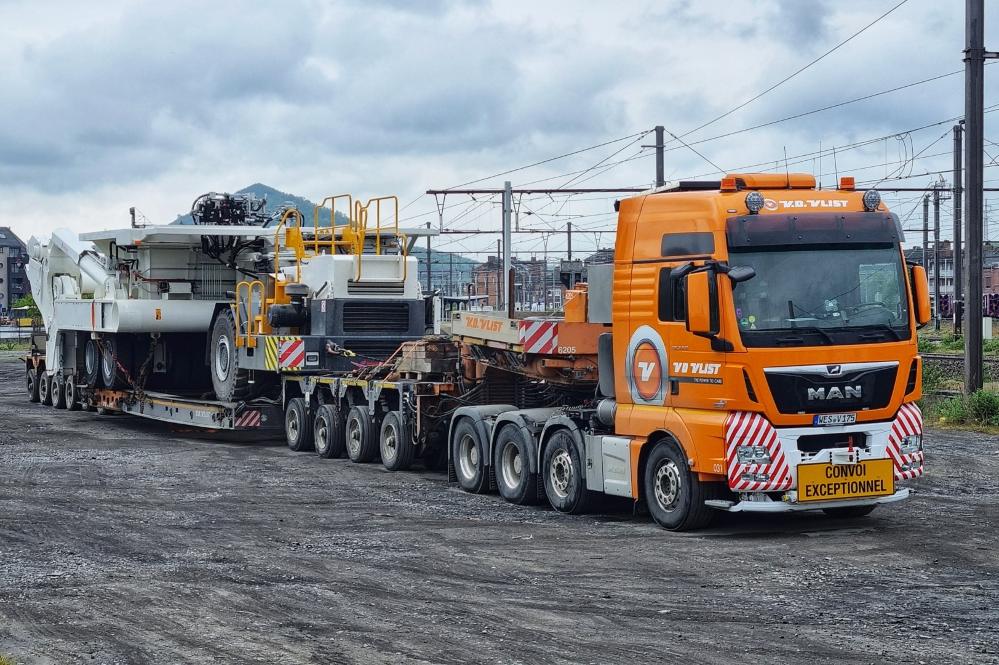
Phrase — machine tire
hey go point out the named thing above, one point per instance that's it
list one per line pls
(329, 433)
(298, 428)
(71, 394)
(674, 496)
(565, 476)
(847, 512)
(230, 383)
(44, 388)
(92, 362)
(31, 381)
(511, 460)
(58, 390)
(111, 375)
(469, 458)
(361, 443)
(397, 449)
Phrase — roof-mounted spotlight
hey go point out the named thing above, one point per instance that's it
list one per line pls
(872, 199)
(755, 202)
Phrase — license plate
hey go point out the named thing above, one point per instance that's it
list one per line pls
(830, 482)
(834, 419)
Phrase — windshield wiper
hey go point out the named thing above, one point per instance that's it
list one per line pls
(821, 332)
(881, 328)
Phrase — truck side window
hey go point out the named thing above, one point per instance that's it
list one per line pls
(672, 298)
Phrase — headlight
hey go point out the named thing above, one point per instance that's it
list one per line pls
(753, 455)
(759, 477)
(910, 444)
(872, 199)
(755, 202)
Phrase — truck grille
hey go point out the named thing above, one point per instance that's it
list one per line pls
(376, 318)
(832, 388)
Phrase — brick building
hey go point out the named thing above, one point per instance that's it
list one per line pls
(13, 278)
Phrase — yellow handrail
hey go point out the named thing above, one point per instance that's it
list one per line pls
(244, 337)
(361, 221)
(290, 241)
(333, 242)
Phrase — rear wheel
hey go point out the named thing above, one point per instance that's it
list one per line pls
(565, 480)
(58, 390)
(72, 394)
(91, 362)
(468, 458)
(396, 449)
(229, 381)
(31, 383)
(362, 446)
(674, 495)
(44, 388)
(329, 435)
(115, 359)
(849, 511)
(512, 460)
(297, 425)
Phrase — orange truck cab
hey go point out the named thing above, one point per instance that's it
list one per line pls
(763, 349)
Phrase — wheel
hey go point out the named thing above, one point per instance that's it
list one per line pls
(44, 388)
(91, 362)
(674, 495)
(329, 436)
(58, 392)
(361, 443)
(31, 382)
(116, 354)
(229, 381)
(849, 511)
(298, 425)
(511, 459)
(565, 477)
(397, 450)
(72, 394)
(468, 457)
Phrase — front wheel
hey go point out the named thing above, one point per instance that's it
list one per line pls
(673, 493)
(230, 383)
(72, 394)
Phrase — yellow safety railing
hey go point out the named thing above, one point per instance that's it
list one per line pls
(361, 222)
(292, 239)
(250, 322)
(347, 230)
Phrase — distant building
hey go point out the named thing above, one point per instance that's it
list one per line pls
(13, 278)
(534, 284)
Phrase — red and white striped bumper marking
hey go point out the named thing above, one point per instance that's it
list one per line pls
(909, 421)
(291, 353)
(247, 419)
(752, 429)
(539, 336)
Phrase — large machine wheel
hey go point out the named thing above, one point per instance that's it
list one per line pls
(511, 459)
(565, 479)
(71, 394)
(396, 448)
(116, 353)
(58, 391)
(298, 425)
(329, 434)
(469, 458)
(229, 381)
(362, 446)
(674, 495)
(31, 381)
(91, 362)
(44, 388)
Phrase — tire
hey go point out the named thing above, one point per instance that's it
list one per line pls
(674, 496)
(361, 443)
(847, 512)
(31, 382)
(58, 390)
(397, 449)
(91, 363)
(468, 458)
(565, 476)
(72, 394)
(230, 383)
(44, 388)
(329, 433)
(114, 347)
(298, 425)
(512, 462)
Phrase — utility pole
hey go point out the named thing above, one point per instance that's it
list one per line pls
(429, 285)
(507, 222)
(936, 258)
(499, 271)
(660, 156)
(450, 273)
(568, 236)
(926, 229)
(958, 263)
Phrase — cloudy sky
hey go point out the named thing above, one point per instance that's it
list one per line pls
(119, 103)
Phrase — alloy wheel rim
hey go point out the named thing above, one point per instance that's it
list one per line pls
(468, 457)
(561, 473)
(668, 486)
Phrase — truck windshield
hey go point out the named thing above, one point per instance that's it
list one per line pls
(820, 295)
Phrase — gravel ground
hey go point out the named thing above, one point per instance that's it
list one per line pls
(123, 541)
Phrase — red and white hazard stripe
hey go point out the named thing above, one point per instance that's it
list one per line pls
(539, 335)
(908, 422)
(247, 419)
(291, 353)
(752, 429)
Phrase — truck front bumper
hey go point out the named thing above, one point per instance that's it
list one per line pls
(766, 505)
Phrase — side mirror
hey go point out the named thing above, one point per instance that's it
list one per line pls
(921, 295)
(702, 303)
(740, 274)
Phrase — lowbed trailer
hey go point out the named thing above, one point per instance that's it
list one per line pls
(752, 348)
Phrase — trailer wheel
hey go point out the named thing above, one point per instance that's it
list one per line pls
(31, 381)
(58, 391)
(44, 388)
(849, 511)
(115, 352)
(91, 362)
(298, 426)
(565, 480)
(396, 448)
(229, 381)
(674, 495)
(329, 435)
(468, 458)
(361, 443)
(511, 458)
(71, 394)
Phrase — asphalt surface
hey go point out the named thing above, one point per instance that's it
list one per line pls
(122, 541)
